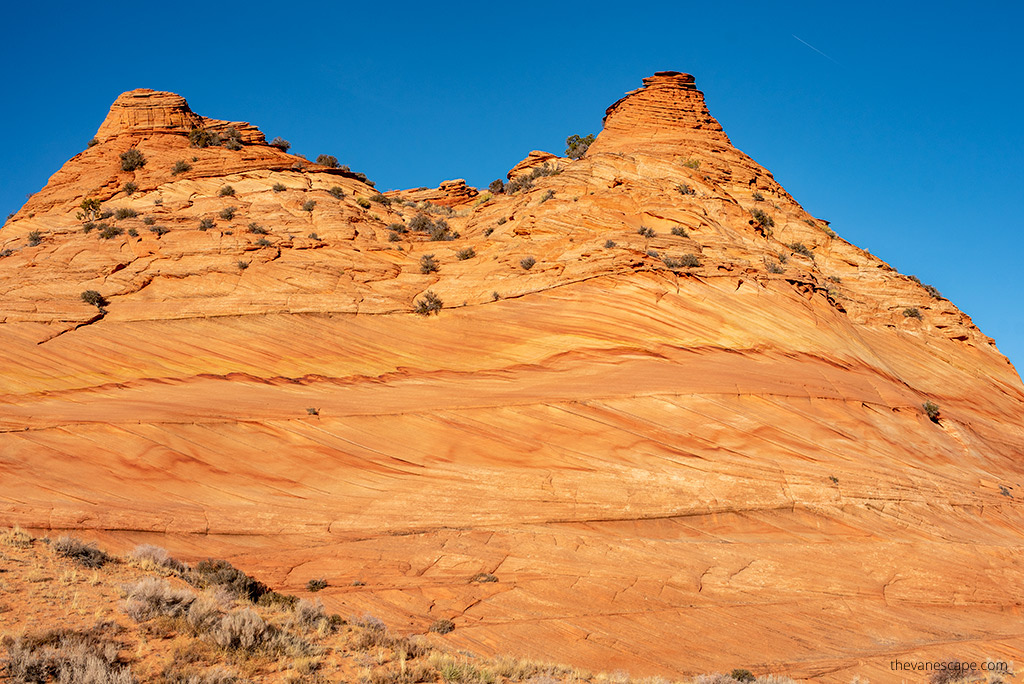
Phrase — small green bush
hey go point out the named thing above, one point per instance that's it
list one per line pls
(463, 254)
(762, 218)
(200, 137)
(336, 192)
(180, 166)
(313, 236)
(430, 304)
(496, 187)
(680, 231)
(257, 229)
(226, 191)
(110, 232)
(576, 146)
(685, 261)
(281, 144)
(228, 213)
(85, 554)
(278, 187)
(149, 220)
(94, 142)
(130, 188)
(264, 242)
(125, 213)
(242, 264)
(527, 263)
(328, 160)
(94, 298)
(912, 312)
(757, 197)
(308, 205)
(483, 578)
(428, 264)
(316, 584)
(692, 164)
(800, 248)
(742, 675)
(774, 267)
(932, 409)
(443, 626)
(380, 198)
(646, 232)
(35, 238)
(88, 226)
(133, 232)
(132, 159)
(206, 224)
(159, 231)
(608, 244)
(441, 232)
(546, 196)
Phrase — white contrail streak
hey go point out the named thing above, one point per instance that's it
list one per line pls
(812, 47)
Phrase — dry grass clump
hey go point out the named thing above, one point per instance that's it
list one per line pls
(16, 537)
(85, 554)
(82, 657)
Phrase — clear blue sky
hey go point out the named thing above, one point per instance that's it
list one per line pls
(907, 133)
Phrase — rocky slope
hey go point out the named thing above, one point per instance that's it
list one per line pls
(693, 426)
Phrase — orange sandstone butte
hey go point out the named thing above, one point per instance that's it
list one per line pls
(689, 438)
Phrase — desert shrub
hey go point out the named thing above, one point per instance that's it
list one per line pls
(488, 230)
(149, 220)
(742, 675)
(316, 584)
(264, 242)
(800, 248)
(646, 232)
(180, 166)
(90, 208)
(109, 232)
(149, 556)
(380, 198)
(652, 253)
(206, 224)
(441, 232)
(130, 188)
(94, 142)
(774, 267)
(35, 238)
(336, 192)
(328, 160)
(132, 159)
(527, 263)
(912, 312)
(233, 144)
(152, 597)
(226, 191)
(428, 264)
(501, 221)
(309, 613)
(932, 291)
(278, 187)
(467, 253)
(281, 144)
(397, 227)
(757, 197)
(220, 573)
(74, 657)
(953, 670)
(200, 137)
(685, 261)
(132, 232)
(308, 205)
(680, 231)
(257, 229)
(420, 223)
(483, 578)
(546, 196)
(430, 303)
(762, 218)
(394, 237)
(16, 537)
(313, 236)
(159, 231)
(273, 599)
(241, 630)
(685, 189)
(85, 554)
(442, 626)
(228, 213)
(576, 147)
(496, 187)
(932, 409)
(9, 252)
(692, 164)
(125, 213)
(608, 244)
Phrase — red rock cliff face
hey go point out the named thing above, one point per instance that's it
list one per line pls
(694, 426)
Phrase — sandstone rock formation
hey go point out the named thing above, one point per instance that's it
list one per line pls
(688, 437)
